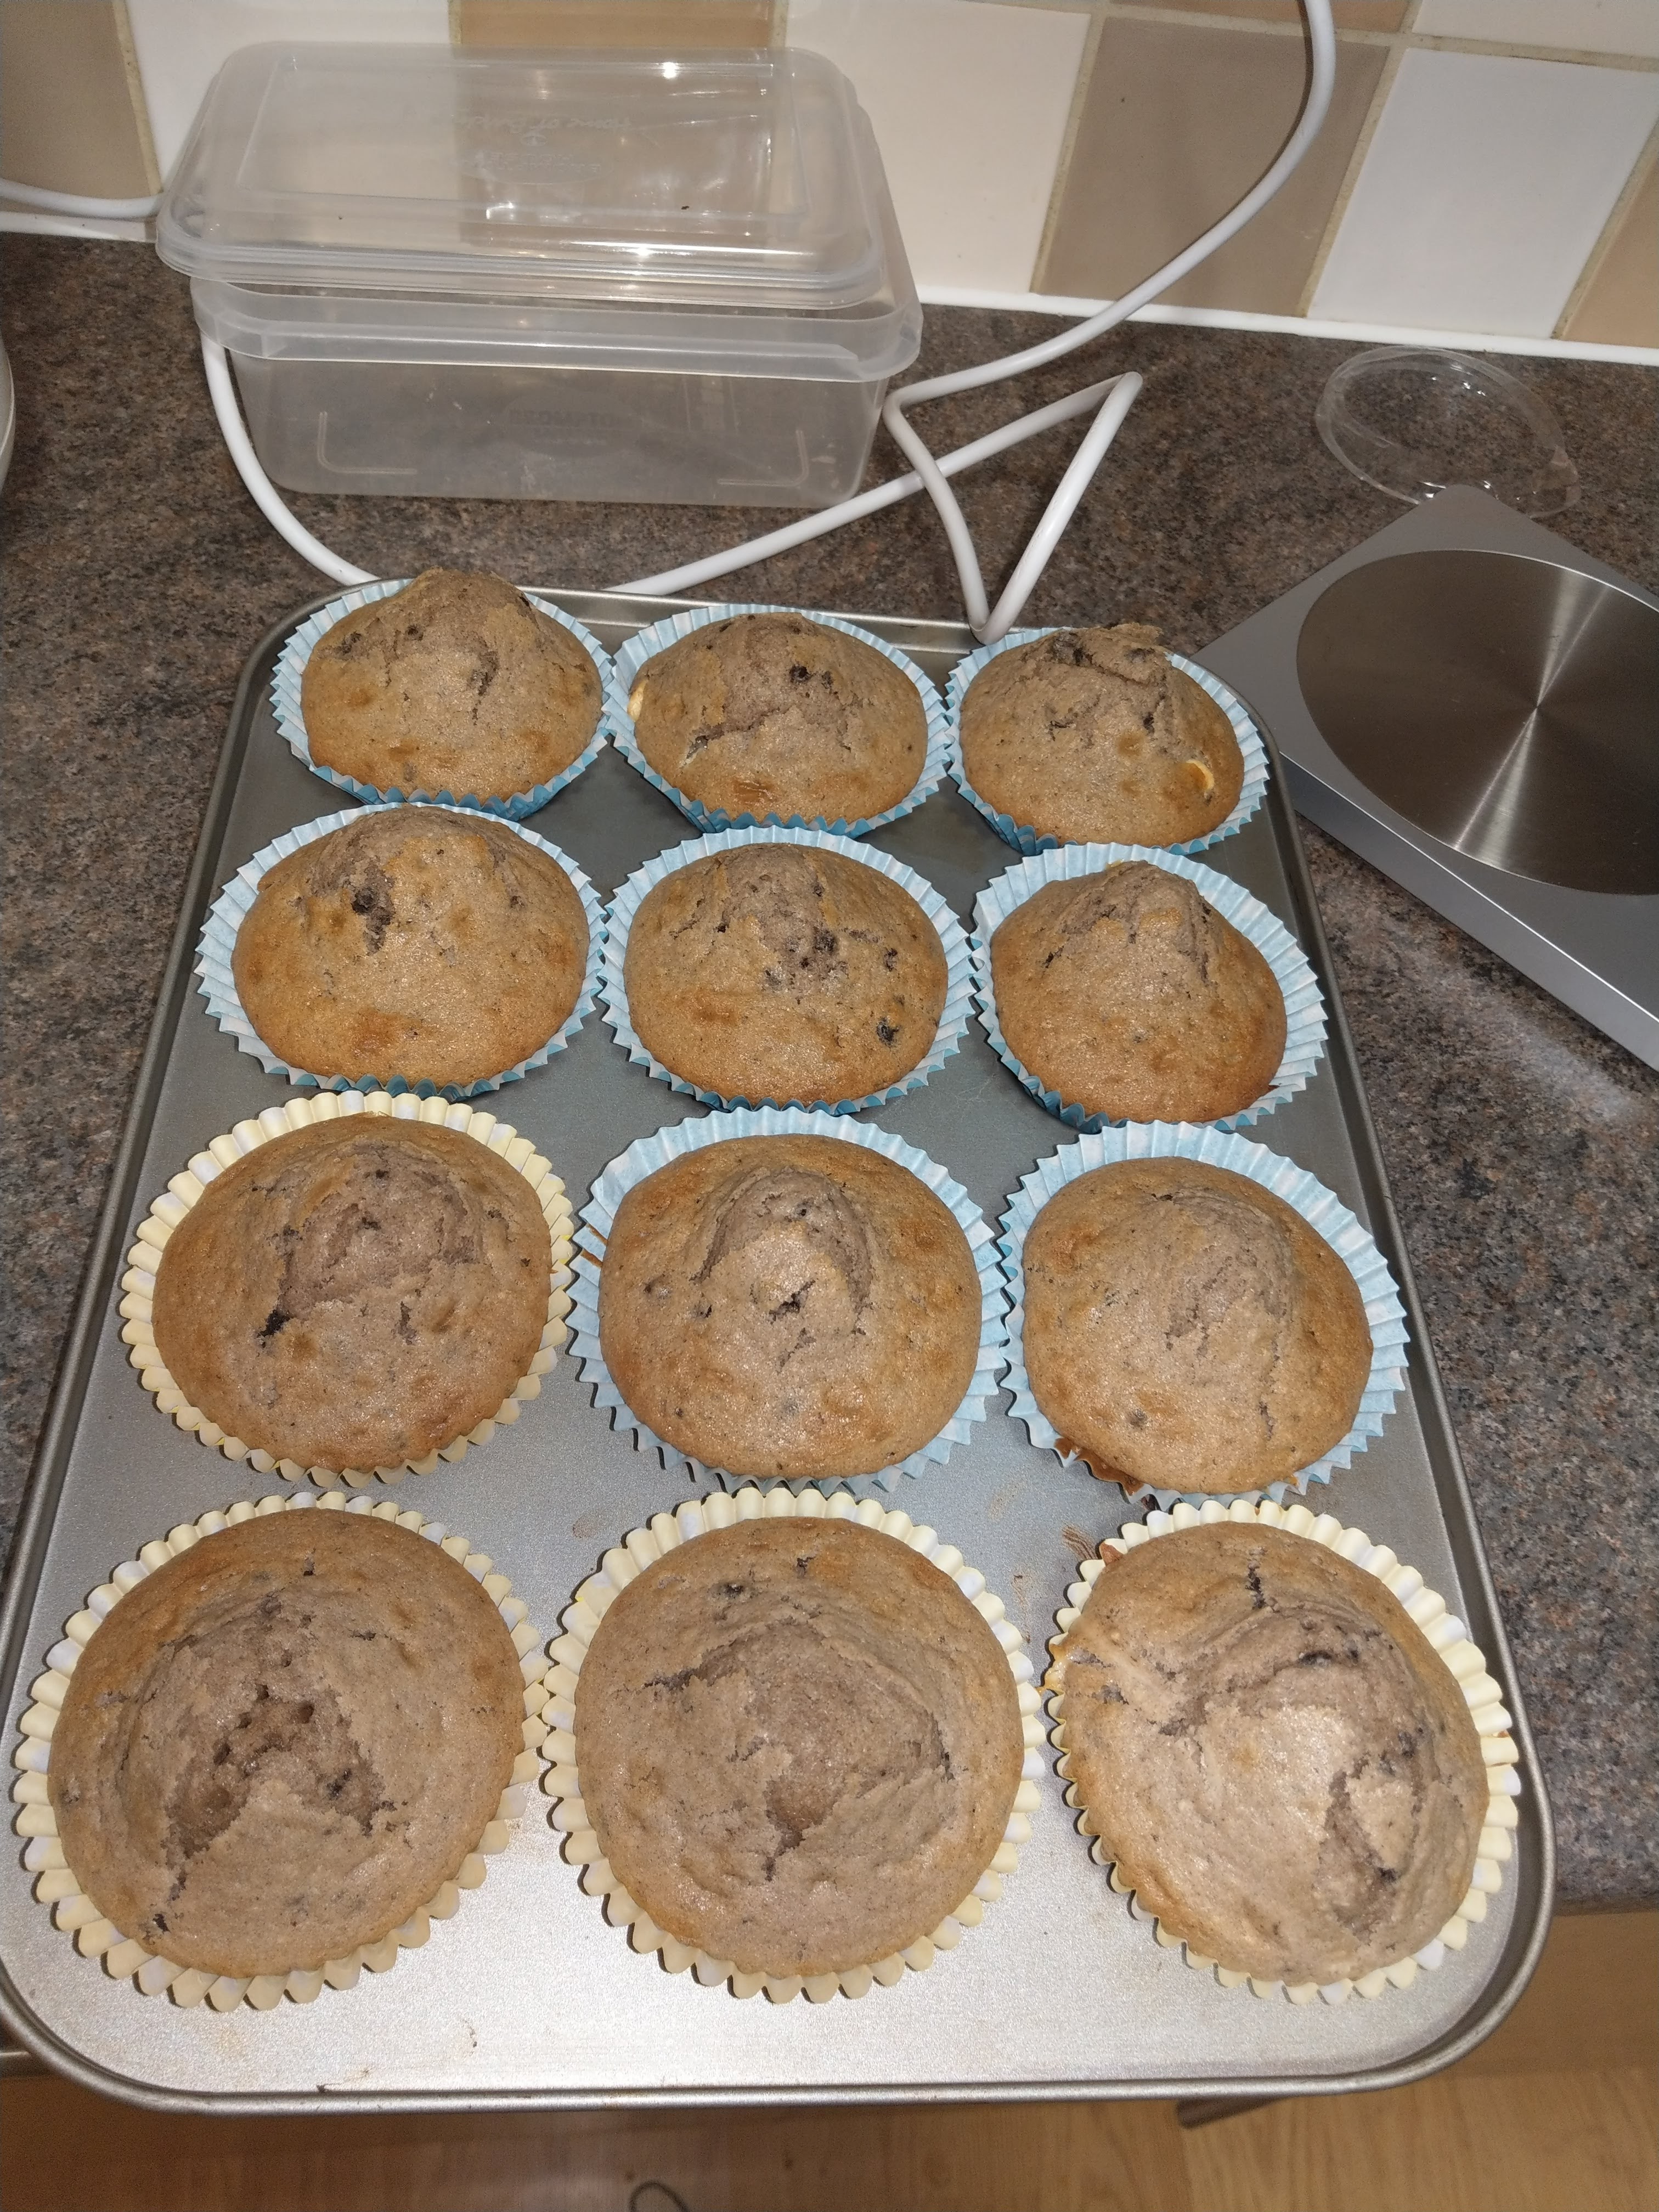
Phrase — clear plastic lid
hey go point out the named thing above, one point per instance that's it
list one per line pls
(536, 191)
(1414, 420)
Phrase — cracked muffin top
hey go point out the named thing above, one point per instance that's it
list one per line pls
(1282, 1767)
(1092, 736)
(798, 1743)
(784, 972)
(789, 1306)
(1127, 993)
(456, 683)
(441, 947)
(773, 714)
(280, 1744)
(1185, 1328)
(356, 1294)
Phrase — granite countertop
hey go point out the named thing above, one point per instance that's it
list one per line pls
(1523, 1147)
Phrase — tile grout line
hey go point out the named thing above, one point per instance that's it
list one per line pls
(1085, 70)
(1362, 146)
(135, 93)
(1147, 11)
(1641, 170)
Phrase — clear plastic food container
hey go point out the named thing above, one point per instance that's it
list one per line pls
(521, 276)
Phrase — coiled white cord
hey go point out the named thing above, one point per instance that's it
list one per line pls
(95, 210)
(928, 472)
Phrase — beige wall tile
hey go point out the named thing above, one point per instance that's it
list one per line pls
(1620, 306)
(667, 25)
(1350, 15)
(971, 159)
(1179, 121)
(67, 118)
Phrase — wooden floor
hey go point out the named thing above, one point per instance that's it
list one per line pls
(1558, 2112)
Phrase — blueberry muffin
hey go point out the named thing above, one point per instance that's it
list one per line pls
(282, 1743)
(1273, 1753)
(1093, 736)
(773, 715)
(793, 1305)
(1186, 1328)
(412, 942)
(456, 683)
(798, 1745)
(1127, 993)
(784, 972)
(356, 1294)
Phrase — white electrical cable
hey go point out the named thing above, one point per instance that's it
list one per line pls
(264, 492)
(986, 626)
(883, 495)
(929, 472)
(95, 210)
(108, 228)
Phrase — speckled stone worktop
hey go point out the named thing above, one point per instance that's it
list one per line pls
(1523, 1147)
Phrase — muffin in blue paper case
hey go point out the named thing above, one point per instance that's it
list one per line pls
(1321, 1208)
(217, 943)
(290, 721)
(632, 657)
(647, 1154)
(1026, 839)
(959, 998)
(1304, 1006)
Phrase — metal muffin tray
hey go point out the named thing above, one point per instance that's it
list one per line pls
(528, 1998)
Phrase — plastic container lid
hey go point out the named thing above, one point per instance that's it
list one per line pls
(379, 201)
(1415, 419)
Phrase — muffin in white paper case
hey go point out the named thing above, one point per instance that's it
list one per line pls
(290, 673)
(217, 946)
(1463, 1659)
(563, 1781)
(185, 1188)
(645, 644)
(149, 1970)
(1304, 1005)
(1385, 1316)
(619, 921)
(647, 1154)
(1021, 834)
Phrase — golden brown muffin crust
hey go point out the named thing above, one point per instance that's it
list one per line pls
(1185, 1328)
(1127, 993)
(799, 1745)
(412, 942)
(356, 1294)
(1273, 1753)
(278, 1747)
(783, 972)
(455, 684)
(789, 1306)
(771, 713)
(1092, 737)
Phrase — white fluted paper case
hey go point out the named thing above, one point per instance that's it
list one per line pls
(1304, 1005)
(647, 643)
(1021, 834)
(1321, 1209)
(151, 1972)
(647, 1154)
(619, 922)
(1444, 1632)
(562, 1780)
(216, 949)
(290, 721)
(185, 1188)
